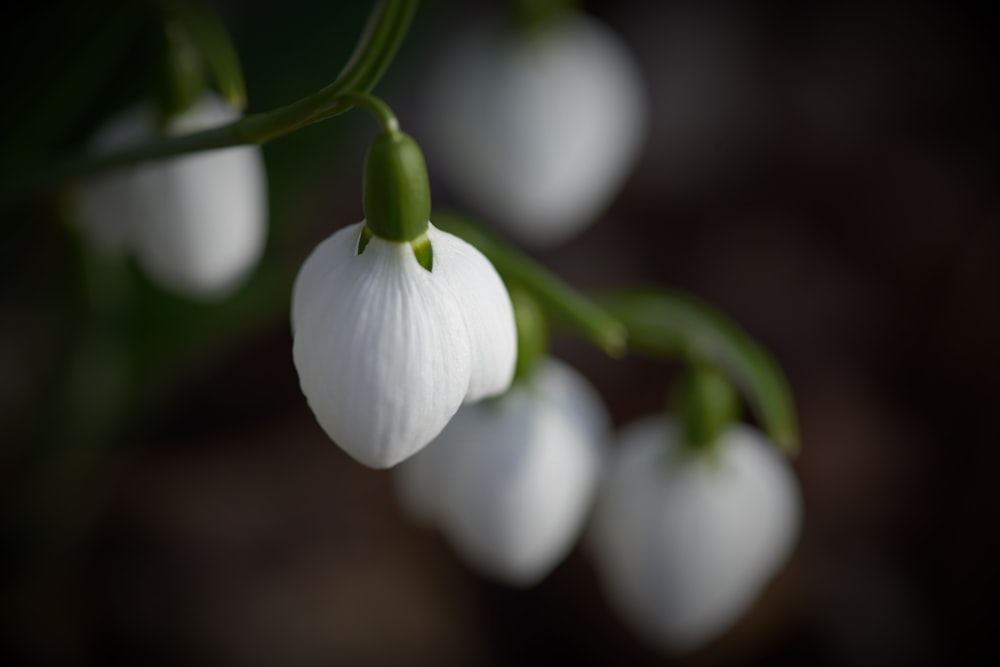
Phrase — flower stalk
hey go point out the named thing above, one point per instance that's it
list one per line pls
(386, 29)
(667, 324)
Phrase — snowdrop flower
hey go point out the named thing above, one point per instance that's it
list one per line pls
(388, 346)
(510, 481)
(196, 223)
(557, 116)
(387, 351)
(684, 543)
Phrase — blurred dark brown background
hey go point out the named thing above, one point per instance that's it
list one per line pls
(824, 172)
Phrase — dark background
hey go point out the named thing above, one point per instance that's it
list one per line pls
(824, 172)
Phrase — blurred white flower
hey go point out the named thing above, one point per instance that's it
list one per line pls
(510, 481)
(387, 351)
(196, 223)
(538, 129)
(685, 543)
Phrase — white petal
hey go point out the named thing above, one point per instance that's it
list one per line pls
(684, 546)
(537, 130)
(487, 310)
(206, 222)
(197, 223)
(564, 387)
(510, 481)
(380, 346)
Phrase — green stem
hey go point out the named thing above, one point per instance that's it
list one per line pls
(671, 325)
(707, 404)
(555, 296)
(387, 27)
(532, 332)
(376, 107)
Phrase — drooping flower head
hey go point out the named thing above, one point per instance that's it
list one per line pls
(510, 481)
(195, 223)
(396, 322)
(684, 544)
(556, 114)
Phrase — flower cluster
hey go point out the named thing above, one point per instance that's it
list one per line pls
(401, 330)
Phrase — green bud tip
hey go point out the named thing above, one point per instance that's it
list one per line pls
(707, 403)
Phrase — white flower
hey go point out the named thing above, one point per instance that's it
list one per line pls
(538, 129)
(196, 223)
(684, 544)
(387, 351)
(510, 481)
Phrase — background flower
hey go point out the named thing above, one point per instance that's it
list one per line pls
(510, 481)
(684, 542)
(196, 223)
(537, 128)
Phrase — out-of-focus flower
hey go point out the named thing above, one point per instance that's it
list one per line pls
(510, 481)
(538, 128)
(387, 350)
(684, 542)
(196, 223)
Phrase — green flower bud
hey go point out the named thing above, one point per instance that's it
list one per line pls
(397, 194)
(532, 333)
(707, 404)
(182, 73)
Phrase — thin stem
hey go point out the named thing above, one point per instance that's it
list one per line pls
(377, 107)
(387, 26)
(667, 324)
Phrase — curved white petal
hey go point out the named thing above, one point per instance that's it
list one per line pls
(537, 130)
(380, 346)
(510, 481)
(684, 546)
(196, 223)
(486, 307)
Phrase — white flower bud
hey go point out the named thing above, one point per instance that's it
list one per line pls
(387, 351)
(196, 223)
(510, 481)
(685, 543)
(537, 129)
